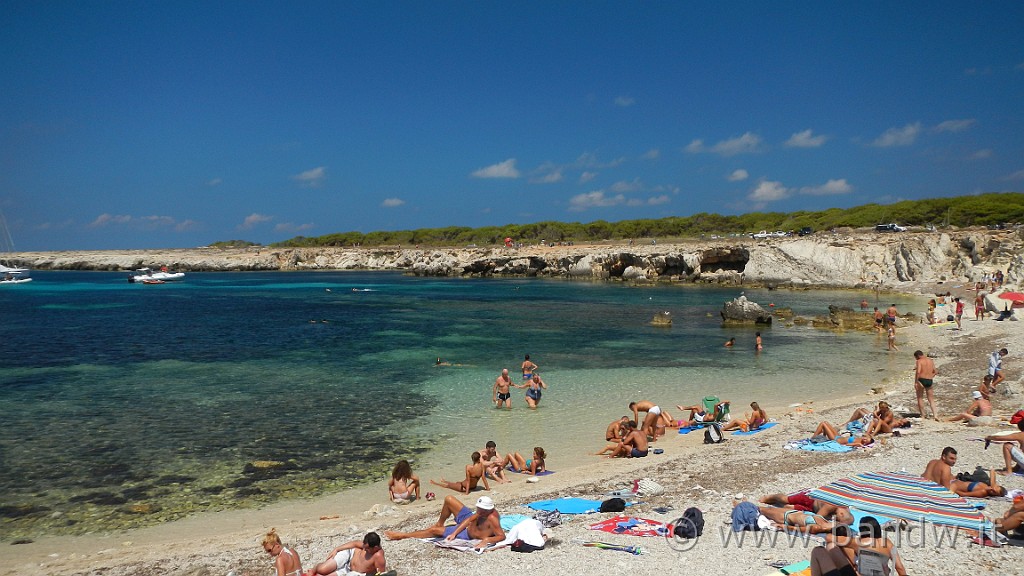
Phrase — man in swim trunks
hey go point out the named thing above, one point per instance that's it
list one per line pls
(890, 316)
(958, 311)
(617, 429)
(483, 525)
(653, 414)
(924, 373)
(940, 470)
(979, 306)
(979, 413)
(801, 501)
(528, 369)
(878, 319)
(1013, 449)
(501, 394)
(366, 557)
(634, 445)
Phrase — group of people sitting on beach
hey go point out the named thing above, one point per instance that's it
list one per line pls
(364, 556)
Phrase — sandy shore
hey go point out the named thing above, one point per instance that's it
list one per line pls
(693, 475)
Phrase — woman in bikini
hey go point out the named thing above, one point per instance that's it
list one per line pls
(829, 431)
(404, 486)
(803, 521)
(531, 466)
(286, 560)
(752, 421)
(528, 369)
(474, 475)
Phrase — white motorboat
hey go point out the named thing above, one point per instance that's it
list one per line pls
(148, 276)
(10, 275)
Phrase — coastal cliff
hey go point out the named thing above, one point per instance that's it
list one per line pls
(826, 259)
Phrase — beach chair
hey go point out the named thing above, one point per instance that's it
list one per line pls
(712, 402)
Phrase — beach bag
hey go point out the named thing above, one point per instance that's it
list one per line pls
(549, 518)
(613, 505)
(691, 525)
(648, 487)
(713, 434)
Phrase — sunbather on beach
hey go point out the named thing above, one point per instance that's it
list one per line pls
(800, 501)
(403, 486)
(808, 522)
(531, 466)
(634, 445)
(286, 560)
(494, 464)
(940, 470)
(752, 421)
(363, 557)
(1013, 449)
(979, 412)
(617, 429)
(978, 489)
(1013, 518)
(483, 525)
(474, 474)
(986, 387)
(698, 415)
(829, 431)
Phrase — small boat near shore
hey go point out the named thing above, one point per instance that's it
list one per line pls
(148, 276)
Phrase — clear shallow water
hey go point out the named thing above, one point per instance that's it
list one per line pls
(125, 405)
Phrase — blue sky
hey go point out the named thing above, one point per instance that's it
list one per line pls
(177, 124)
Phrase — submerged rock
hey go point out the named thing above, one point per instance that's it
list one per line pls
(662, 319)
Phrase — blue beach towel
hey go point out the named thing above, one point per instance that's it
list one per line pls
(568, 505)
(541, 473)
(830, 446)
(754, 431)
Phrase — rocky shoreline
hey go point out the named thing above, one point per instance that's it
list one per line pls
(848, 260)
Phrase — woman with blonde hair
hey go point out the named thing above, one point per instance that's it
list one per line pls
(286, 560)
(404, 486)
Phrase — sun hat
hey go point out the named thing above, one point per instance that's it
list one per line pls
(485, 503)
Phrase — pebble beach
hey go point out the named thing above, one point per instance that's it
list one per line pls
(708, 477)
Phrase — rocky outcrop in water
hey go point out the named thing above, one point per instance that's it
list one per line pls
(864, 259)
(743, 311)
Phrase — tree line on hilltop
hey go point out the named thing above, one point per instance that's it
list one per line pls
(962, 211)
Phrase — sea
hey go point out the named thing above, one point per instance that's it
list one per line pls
(127, 405)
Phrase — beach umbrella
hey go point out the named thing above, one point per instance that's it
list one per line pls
(911, 498)
(1016, 297)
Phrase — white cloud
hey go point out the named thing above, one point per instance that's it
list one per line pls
(624, 186)
(982, 154)
(768, 191)
(313, 177)
(254, 219)
(587, 177)
(832, 187)
(656, 200)
(594, 199)
(392, 202)
(624, 101)
(738, 175)
(214, 182)
(695, 146)
(954, 125)
(1018, 175)
(105, 219)
(506, 169)
(805, 139)
(904, 136)
(747, 143)
(186, 225)
(551, 177)
(652, 154)
(291, 228)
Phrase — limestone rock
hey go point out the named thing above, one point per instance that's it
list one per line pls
(743, 311)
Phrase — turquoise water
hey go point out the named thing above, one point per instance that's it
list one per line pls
(125, 405)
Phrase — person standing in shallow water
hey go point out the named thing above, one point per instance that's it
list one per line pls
(528, 369)
(758, 345)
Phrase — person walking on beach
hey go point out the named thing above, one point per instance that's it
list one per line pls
(286, 560)
(958, 311)
(979, 307)
(879, 318)
(501, 393)
(891, 338)
(995, 367)
(924, 374)
(890, 316)
(366, 557)
(528, 369)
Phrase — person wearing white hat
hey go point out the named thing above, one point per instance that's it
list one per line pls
(483, 525)
(978, 414)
